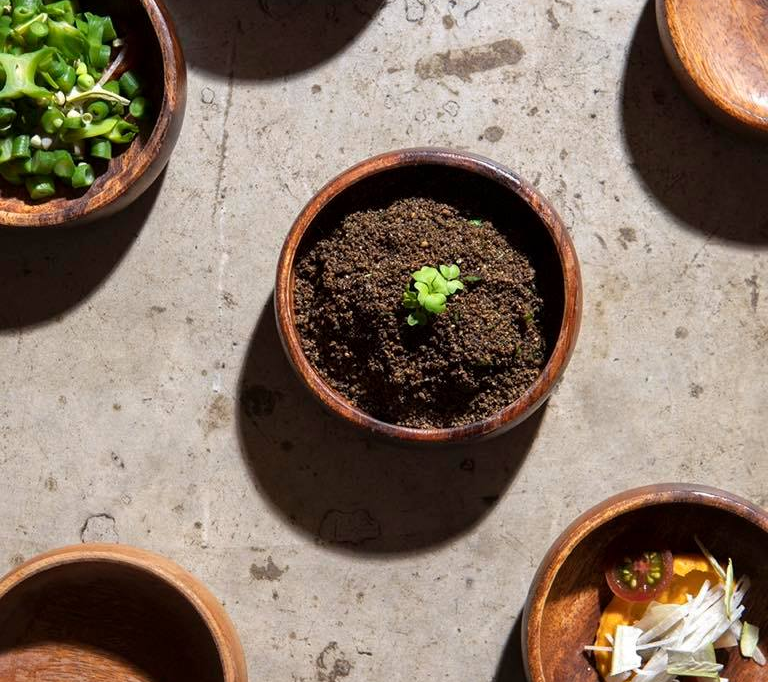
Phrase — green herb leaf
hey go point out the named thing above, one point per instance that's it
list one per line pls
(434, 303)
(425, 275)
(476, 222)
(450, 271)
(440, 285)
(417, 318)
(454, 286)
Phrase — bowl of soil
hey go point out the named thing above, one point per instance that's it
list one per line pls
(100, 613)
(429, 296)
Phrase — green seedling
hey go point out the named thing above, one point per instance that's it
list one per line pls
(430, 292)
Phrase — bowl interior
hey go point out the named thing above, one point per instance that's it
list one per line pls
(132, 24)
(478, 195)
(101, 622)
(579, 593)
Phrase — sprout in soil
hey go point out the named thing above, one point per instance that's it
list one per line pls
(430, 292)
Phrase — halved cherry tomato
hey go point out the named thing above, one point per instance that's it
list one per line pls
(638, 576)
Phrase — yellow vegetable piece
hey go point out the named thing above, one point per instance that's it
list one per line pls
(689, 573)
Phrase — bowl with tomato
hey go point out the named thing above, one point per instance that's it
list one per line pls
(681, 570)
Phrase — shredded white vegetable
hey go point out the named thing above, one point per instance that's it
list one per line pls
(672, 640)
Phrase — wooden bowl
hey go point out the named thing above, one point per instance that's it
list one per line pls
(719, 52)
(132, 171)
(108, 613)
(569, 589)
(443, 174)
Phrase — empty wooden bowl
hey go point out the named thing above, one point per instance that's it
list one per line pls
(159, 60)
(719, 52)
(111, 613)
(569, 590)
(443, 175)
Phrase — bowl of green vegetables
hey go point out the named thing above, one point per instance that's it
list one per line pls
(87, 119)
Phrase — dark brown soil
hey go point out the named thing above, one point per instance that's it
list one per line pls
(472, 360)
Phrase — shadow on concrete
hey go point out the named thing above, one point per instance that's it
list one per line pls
(352, 493)
(711, 178)
(268, 39)
(511, 668)
(45, 272)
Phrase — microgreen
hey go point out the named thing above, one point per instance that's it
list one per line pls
(430, 292)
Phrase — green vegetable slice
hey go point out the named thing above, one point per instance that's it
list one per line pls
(750, 636)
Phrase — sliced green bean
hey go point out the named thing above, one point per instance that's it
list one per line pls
(83, 176)
(101, 149)
(40, 186)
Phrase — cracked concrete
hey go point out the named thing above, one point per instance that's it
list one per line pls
(147, 399)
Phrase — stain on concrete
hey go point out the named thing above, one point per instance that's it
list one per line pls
(352, 528)
(493, 133)
(51, 485)
(117, 460)
(533, 111)
(156, 310)
(451, 107)
(219, 414)
(16, 560)
(754, 286)
(331, 665)
(681, 333)
(601, 240)
(552, 19)
(563, 154)
(99, 528)
(316, 89)
(448, 21)
(258, 401)
(117, 407)
(696, 390)
(465, 62)
(415, 10)
(269, 571)
(627, 235)
(229, 300)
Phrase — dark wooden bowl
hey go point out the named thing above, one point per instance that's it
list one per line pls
(569, 590)
(108, 613)
(444, 175)
(136, 167)
(719, 52)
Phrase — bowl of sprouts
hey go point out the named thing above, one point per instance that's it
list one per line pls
(92, 96)
(667, 583)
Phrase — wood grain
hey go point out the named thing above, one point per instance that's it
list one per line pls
(131, 172)
(402, 173)
(100, 613)
(719, 51)
(569, 592)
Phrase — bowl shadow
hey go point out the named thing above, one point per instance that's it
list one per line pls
(268, 39)
(511, 667)
(348, 491)
(45, 271)
(712, 179)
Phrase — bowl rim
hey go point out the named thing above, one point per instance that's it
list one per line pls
(701, 91)
(174, 84)
(597, 516)
(479, 165)
(213, 615)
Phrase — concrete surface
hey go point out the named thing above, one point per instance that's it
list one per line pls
(146, 399)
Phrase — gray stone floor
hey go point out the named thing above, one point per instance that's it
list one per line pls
(146, 399)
